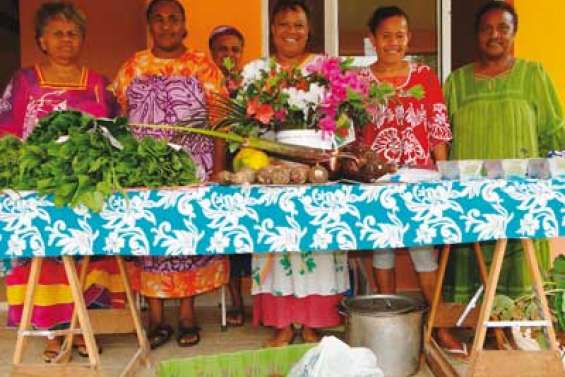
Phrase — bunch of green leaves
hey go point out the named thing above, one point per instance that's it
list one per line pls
(81, 160)
(557, 301)
(9, 160)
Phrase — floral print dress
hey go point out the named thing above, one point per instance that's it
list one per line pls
(297, 287)
(151, 90)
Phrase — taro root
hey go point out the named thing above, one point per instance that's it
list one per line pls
(243, 176)
(318, 174)
(299, 174)
(224, 177)
(263, 176)
(280, 175)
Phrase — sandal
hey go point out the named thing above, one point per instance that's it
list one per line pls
(159, 335)
(235, 317)
(188, 336)
(80, 346)
(51, 351)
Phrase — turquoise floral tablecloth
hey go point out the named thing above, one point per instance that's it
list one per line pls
(229, 219)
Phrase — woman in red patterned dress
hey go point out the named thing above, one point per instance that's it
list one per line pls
(407, 131)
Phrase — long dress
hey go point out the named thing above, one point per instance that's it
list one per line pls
(514, 115)
(27, 98)
(295, 287)
(151, 90)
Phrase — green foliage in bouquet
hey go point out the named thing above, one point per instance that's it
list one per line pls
(81, 160)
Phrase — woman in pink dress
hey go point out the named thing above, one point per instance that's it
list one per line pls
(59, 82)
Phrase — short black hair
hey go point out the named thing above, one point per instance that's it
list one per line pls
(222, 30)
(294, 5)
(52, 10)
(382, 13)
(496, 5)
(153, 4)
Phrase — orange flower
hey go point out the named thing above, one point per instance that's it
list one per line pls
(252, 106)
(265, 113)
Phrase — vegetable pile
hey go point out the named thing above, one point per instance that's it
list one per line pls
(81, 160)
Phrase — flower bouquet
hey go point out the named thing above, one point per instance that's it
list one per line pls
(328, 97)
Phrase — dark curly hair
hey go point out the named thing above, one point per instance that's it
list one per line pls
(52, 10)
(496, 5)
(382, 13)
(294, 5)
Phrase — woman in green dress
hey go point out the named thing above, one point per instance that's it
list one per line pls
(500, 107)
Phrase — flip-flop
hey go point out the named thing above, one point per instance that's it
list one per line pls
(188, 336)
(235, 318)
(160, 335)
(51, 353)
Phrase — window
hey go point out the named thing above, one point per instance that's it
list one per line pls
(340, 28)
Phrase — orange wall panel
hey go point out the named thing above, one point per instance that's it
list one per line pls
(204, 15)
(114, 31)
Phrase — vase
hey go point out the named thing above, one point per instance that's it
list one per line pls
(306, 138)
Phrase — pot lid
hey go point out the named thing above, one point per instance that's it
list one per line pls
(382, 304)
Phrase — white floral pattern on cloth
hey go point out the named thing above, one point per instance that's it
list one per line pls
(225, 219)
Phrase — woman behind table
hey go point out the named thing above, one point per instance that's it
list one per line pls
(408, 132)
(284, 290)
(59, 82)
(500, 107)
(166, 85)
(226, 42)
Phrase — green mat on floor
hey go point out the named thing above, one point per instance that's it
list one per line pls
(255, 363)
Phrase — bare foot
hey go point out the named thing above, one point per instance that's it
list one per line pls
(310, 335)
(283, 337)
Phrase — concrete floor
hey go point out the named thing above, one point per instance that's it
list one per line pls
(117, 349)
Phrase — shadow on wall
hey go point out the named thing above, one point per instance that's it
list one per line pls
(9, 35)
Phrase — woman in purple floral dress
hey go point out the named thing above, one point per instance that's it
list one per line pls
(167, 85)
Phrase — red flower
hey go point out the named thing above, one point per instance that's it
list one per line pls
(265, 113)
(252, 106)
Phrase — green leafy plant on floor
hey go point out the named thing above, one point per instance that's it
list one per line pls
(526, 307)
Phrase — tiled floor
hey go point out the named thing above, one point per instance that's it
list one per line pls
(119, 348)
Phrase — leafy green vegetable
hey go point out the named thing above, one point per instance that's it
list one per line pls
(81, 160)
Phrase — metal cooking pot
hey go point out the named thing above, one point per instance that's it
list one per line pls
(389, 325)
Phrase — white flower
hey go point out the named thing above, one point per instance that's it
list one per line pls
(529, 224)
(16, 245)
(218, 243)
(322, 239)
(305, 100)
(425, 234)
(252, 71)
(114, 243)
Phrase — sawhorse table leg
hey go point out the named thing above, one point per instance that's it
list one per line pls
(486, 363)
(62, 368)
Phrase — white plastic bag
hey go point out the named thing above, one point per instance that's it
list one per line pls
(334, 358)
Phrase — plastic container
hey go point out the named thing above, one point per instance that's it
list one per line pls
(255, 363)
(515, 168)
(306, 138)
(462, 169)
(557, 166)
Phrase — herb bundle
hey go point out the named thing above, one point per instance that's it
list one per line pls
(81, 160)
